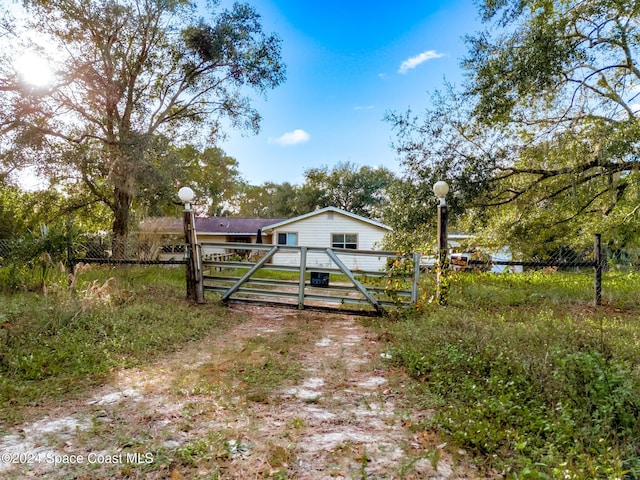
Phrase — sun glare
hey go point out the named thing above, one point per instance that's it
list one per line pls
(34, 69)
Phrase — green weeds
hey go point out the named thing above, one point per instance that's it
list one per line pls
(64, 342)
(525, 373)
(264, 365)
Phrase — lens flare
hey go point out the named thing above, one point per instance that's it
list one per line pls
(34, 69)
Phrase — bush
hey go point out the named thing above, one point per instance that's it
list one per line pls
(36, 260)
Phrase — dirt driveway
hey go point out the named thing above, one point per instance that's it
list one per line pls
(281, 394)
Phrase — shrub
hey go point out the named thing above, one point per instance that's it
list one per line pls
(36, 260)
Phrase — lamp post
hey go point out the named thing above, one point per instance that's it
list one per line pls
(441, 189)
(192, 254)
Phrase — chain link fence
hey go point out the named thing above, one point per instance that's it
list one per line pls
(99, 249)
(5, 249)
(589, 265)
(137, 250)
(594, 270)
(626, 259)
(612, 259)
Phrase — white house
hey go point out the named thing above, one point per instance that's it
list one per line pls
(329, 227)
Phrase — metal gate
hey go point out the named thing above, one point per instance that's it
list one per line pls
(309, 277)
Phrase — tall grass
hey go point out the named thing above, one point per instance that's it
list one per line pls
(60, 343)
(527, 374)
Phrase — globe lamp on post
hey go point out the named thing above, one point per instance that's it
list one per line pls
(441, 189)
(195, 289)
(185, 194)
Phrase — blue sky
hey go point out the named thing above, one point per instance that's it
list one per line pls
(348, 62)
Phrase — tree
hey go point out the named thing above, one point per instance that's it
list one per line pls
(357, 190)
(18, 146)
(269, 200)
(21, 211)
(546, 128)
(562, 78)
(362, 191)
(11, 220)
(213, 175)
(439, 143)
(132, 74)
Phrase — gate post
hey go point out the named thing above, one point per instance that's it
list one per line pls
(302, 279)
(195, 291)
(441, 189)
(190, 255)
(442, 271)
(597, 253)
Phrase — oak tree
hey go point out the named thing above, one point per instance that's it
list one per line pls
(130, 74)
(549, 134)
(360, 190)
(562, 78)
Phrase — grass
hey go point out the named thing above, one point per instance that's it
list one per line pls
(63, 342)
(525, 373)
(522, 370)
(253, 371)
(264, 364)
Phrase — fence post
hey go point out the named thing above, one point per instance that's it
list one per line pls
(194, 265)
(416, 278)
(597, 253)
(199, 273)
(442, 271)
(70, 257)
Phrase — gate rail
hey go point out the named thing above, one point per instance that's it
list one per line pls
(243, 279)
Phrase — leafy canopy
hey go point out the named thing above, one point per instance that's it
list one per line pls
(543, 139)
(132, 77)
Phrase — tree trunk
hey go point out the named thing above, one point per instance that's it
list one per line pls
(122, 205)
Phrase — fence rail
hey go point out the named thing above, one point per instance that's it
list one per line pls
(98, 251)
(241, 257)
(308, 276)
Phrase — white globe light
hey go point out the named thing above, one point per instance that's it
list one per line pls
(185, 194)
(441, 189)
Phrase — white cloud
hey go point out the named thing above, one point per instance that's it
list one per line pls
(363, 107)
(413, 62)
(291, 138)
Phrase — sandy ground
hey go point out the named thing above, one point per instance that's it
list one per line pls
(346, 417)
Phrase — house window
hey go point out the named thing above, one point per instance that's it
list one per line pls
(344, 240)
(287, 239)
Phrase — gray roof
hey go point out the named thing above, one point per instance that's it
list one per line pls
(232, 225)
(222, 225)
